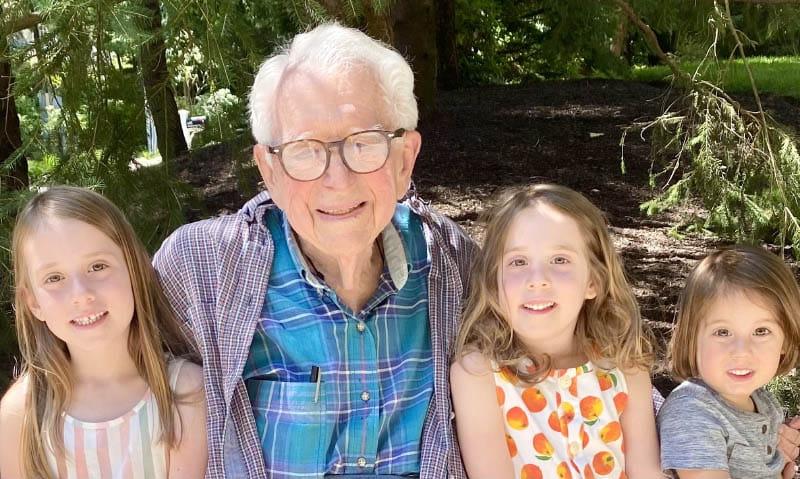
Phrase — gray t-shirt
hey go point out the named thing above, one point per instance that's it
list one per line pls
(701, 430)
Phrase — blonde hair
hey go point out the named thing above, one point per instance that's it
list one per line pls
(609, 327)
(45, 366)
(736, 269)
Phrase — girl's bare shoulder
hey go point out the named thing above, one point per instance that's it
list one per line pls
(473, 362)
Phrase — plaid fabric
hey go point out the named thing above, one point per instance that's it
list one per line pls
(376, 364)
(215, 273)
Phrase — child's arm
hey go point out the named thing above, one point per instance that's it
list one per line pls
(479, 419)
(12, 408)
(702, 474)
(639, 428)
(189, 457)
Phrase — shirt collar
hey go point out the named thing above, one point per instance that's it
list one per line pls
(394, 254)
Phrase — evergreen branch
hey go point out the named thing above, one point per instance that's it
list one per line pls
(770, 2)
(762, 118)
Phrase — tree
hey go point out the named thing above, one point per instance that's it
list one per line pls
(448, 74)
(158, 86)
(13, 170)
(414, 29)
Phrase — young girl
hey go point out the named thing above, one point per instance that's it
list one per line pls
(738, 327)
(551, 373)
(100, 394)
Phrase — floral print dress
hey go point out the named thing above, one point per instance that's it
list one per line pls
(567, 425)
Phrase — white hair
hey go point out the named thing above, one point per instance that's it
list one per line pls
(330, 50)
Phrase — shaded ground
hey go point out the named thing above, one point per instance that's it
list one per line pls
(567, 132)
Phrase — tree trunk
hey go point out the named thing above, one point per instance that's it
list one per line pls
(158, 87)
(619, 44)
(14, 176)
(414, 25)
(448, 75)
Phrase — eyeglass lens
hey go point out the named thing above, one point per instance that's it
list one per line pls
(363, 152)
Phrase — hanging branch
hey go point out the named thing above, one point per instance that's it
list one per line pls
(762, 120)
(652, 41)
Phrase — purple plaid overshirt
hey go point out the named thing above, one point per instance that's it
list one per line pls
(215, 274)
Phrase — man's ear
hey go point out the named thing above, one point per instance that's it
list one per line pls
(412, 141)
(263, 160)
(31, 303)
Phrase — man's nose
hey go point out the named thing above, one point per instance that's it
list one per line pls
(337, 171)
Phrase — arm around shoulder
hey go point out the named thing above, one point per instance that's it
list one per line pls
(639, 428)
(12, 411)
(479, 420)
(188, 458)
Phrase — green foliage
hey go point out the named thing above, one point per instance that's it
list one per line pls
(225, 117)
(742, 166)
(712, 150)
(10, 202)
(787, 390)
(777, 75)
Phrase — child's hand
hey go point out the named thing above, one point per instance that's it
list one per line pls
(789, 438)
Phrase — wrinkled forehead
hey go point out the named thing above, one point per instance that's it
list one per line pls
(311, 104)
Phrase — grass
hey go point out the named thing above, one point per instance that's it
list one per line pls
(776, 75)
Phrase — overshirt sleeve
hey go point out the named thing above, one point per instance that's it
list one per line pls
(170, 265)
(691, 436)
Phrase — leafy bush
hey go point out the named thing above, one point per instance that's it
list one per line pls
(225, 117)
(787, 390)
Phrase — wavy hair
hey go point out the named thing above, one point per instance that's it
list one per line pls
(332, 50)
(46, 358)
(609, 327)
(744, 269)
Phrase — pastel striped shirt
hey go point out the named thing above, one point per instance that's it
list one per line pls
(126, 447)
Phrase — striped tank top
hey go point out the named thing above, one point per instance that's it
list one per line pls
(126, 447)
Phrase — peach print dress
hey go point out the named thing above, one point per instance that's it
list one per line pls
(567, 425)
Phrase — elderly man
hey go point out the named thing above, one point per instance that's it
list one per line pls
(325, 309)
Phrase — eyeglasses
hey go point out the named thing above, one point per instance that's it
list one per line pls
(361, 152)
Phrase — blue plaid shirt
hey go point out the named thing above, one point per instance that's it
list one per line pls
(215, 274)
(376, 365)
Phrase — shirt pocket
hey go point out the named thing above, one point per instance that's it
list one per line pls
(746, 462)
(294, 426)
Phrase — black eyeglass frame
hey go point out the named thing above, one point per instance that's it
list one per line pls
(389, 135)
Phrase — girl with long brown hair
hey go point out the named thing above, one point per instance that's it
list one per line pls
(101, 392)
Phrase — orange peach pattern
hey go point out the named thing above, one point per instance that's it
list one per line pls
(566, 426)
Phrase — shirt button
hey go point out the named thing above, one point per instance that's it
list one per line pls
(564, 382)
(361, 326)
(365, 396)
(769, 450)
(361, 462)
(764, 429)
(574, 449)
